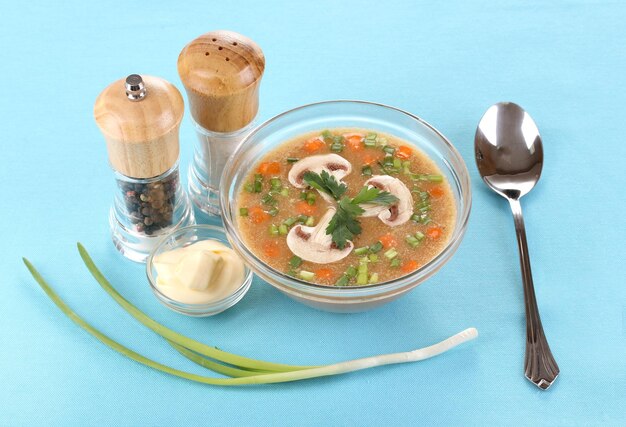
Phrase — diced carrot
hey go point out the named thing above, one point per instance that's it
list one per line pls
(388, 241)
(436, 191)
(269, 168)
(257, 215)
(355, 142)
(324, 273)
(302, 207)
(271, 249)
(369, 158)
(404, 152)
(409, 266)
(313, 145)
(434, 232)
(263, 168)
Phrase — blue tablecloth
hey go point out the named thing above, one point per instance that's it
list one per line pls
(564, 61)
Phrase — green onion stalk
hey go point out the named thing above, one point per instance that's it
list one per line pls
(242, 370)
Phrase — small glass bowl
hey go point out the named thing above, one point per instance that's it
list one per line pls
(343, 114)
(184, 237)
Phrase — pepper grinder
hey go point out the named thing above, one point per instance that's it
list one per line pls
(139, 117)
(221, 72)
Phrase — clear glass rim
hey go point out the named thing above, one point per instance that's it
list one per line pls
(216, 306)
(459, 172)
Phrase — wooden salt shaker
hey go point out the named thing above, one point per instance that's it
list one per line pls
(221, 72)
(139, 117)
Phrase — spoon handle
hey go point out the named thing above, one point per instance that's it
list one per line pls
(539, 364)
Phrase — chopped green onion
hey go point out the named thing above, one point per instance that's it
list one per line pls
(326, 134)
(361, 279)
(258, 177)
(396, 262)
(373, 278)
(336, 148)
(343, 281)
(302, 218)
(337, 143)
(282, 229)
(243, 211)
(273, 212)
(422, 218)
(309, 221)
(397, 163)
(362, 251)
(435, 178)
(268, 199)
(391, 253)
(412, 241)
(295, 261)
(388, 149)
(289, 221)
(369, 142)
(406, 165)
(373, 257)
(376, 247)
(292, 159)
(273, 230)
(371, 135)
(382, 141)
(258, 186)
(387, 166)
(303, 195)
(284, 192)
(311, 197)
(276, 184)
(362, 265)
(366, 170)
(351, 271)
(307, 275)
(249, 187)
(419, 236)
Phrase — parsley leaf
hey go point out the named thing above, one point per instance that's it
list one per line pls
(374, 196)
(326, 183)
(344, 225)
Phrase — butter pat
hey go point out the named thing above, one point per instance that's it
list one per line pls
(201, 273)
(196, 269)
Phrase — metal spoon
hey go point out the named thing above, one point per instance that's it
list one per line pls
(509, 156)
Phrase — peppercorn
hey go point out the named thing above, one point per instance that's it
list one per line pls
(150, 206)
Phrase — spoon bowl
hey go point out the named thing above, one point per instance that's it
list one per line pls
(509, 156)
(509, 151)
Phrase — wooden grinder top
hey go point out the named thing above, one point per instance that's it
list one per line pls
(222, 72)
(139, 117)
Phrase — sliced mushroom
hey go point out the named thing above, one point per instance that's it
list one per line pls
(314, 245)
(334, 164)
(396, 214)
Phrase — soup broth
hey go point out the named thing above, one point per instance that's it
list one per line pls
(280, 223)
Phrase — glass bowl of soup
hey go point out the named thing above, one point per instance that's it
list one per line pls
(345, 205)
